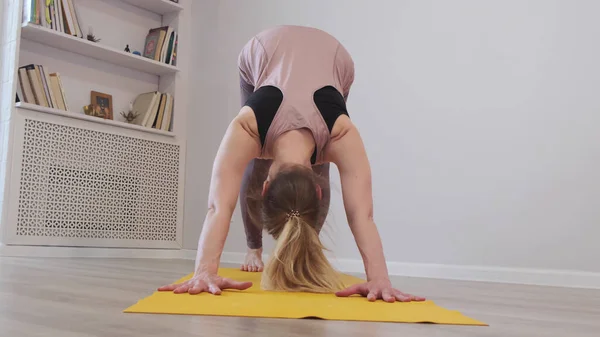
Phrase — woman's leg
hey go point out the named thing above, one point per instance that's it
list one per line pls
(323, 171)
(254, 176)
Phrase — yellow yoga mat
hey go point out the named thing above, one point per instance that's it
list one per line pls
(254, 302)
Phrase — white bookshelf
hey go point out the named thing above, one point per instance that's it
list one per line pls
(157, 6)
(38, 141)
(94, 50)
(80, 116)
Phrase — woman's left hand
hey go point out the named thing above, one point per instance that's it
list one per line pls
(378, 289)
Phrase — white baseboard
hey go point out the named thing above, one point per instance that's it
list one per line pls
(558, 278)
(89, 252)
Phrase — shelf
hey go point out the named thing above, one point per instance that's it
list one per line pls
(97, 51)
(81, 116)
(157, 6)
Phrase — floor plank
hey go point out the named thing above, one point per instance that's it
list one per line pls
(85, 297)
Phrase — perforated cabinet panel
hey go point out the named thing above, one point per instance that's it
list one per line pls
(90, 186)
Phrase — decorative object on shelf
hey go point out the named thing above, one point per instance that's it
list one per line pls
(91, 36)
(130, 116)
(137, 53)
(104, 104)
(95, 110)
(127, 49)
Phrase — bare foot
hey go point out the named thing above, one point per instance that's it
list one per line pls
(253, 260)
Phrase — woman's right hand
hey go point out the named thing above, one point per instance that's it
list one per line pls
(205, 282)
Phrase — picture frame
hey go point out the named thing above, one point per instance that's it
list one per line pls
(103, 103)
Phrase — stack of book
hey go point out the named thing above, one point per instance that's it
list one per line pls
(154, 110)
(59, 15)
(36, 86)
(161, 45)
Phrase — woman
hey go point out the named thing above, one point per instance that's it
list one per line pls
(293, 123)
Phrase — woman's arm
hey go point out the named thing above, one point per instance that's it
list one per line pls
(238, 147)
(347, 151)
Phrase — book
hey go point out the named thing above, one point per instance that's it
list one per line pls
(161, 112)
(143, 106)
(25, 85)
(19, 92)
(29, 11)
(56, 89)
(153, 111)
(166, 122)
(50, 94)
(174, 56)
(168, 48)
(55, 15)
(68, 18)
(161, 41)
(58, 16)
(165, 45)
(73, 8)
(150, 46)
(153, 44)
(51, 14)
(160, 102)
(41, 9)
(44, 85)
(42, 90)
(63, 95)
(35, 83)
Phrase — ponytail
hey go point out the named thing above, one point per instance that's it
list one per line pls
(298, 262)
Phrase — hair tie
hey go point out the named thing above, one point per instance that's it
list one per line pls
(293, 214)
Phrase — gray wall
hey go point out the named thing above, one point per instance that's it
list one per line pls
(480, 118)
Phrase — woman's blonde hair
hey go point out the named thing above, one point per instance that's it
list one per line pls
(290, 213)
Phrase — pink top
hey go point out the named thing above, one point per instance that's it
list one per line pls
(299, 61)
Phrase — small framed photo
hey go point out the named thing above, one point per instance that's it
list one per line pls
(103, 103)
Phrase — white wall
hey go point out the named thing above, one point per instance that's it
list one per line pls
(480, 119)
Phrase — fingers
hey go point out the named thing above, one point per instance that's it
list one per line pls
(402, 297)
(373, 295)
(169, 287)
(417, 298)
(214, 289)
(352, 290)
(183, 288)
(387, 296)
(231, 284)
(197, 288)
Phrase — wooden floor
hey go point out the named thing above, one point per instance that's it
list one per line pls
(85, 297)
